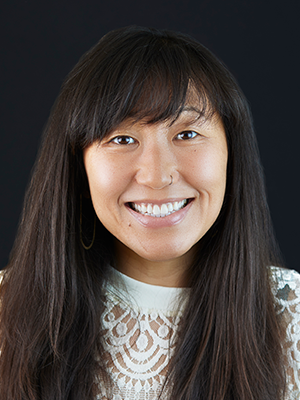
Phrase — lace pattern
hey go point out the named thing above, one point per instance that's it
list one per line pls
(139, 336)
(288, 295)
(139, 341)
(138, 350)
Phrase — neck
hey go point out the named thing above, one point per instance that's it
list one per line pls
(169, 273)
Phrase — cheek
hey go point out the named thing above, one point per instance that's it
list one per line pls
(105, 179)
(208, 168)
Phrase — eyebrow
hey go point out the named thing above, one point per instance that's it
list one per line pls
(189, 118)
(192, 109)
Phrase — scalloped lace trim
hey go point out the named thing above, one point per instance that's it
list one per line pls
(139, 342)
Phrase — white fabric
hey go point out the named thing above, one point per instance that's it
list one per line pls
(140, 323)
(287, 294)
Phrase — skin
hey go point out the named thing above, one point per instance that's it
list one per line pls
(135, 163)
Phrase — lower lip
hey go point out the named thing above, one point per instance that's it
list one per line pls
(161, 222)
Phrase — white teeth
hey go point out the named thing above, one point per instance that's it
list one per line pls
(170, 207)
(164, 209)
(156, 210)
(159, 211)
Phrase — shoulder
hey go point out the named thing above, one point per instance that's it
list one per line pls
(286, 288)
(287, 295)
(285, 276)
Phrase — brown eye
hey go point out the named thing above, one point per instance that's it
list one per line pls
(186, 135)
(123, 140)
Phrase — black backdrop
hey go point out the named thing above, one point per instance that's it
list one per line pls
(258, 40)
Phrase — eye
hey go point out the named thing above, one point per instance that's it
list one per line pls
(123, 140)
(186, 135)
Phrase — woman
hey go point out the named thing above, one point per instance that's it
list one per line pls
(141, 269)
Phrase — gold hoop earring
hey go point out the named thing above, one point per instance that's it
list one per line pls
(94, 231)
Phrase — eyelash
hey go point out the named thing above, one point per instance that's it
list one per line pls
(115, 140)
(179, 136)
(193, 133)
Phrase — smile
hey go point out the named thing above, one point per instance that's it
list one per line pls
(155, 210)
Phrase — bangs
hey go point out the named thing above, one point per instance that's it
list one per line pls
(141, 76)
(162, 85)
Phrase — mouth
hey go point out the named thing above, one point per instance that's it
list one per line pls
(159, 211)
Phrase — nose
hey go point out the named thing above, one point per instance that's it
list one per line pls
(156, 166)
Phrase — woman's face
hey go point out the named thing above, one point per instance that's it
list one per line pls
(158, 188)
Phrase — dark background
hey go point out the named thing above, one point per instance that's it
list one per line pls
(258, 40)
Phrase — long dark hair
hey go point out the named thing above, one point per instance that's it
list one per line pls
(229, 343)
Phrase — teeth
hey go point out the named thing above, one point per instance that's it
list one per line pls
(164, 209)
(159, 211)
(156, 210)
(170, 207)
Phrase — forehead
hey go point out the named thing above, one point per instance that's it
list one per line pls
(189, 115)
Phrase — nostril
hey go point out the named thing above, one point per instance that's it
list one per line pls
(154, 179)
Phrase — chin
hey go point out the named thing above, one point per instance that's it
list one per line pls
(164, 255)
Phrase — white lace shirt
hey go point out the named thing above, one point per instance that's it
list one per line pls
(139, 332)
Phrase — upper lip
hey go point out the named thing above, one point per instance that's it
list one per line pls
(158, 202)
